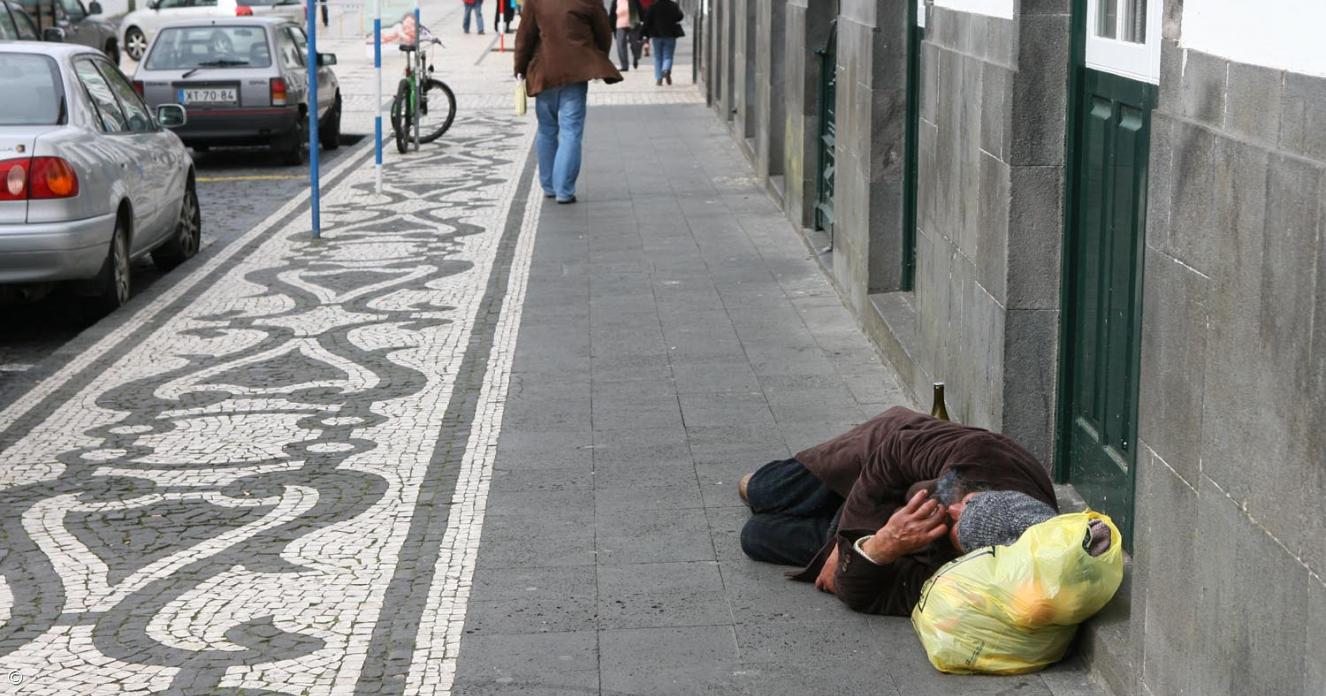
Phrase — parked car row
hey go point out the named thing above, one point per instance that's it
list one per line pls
(71, 21)
(94, 173)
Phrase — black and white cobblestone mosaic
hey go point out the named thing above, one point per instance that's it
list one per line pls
(278, 488)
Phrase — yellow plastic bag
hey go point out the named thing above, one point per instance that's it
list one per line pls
(520, 100)
(1014, 609)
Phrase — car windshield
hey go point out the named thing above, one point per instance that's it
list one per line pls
(187, 48)
(37, 78)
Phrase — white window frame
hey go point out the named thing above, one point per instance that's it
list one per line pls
(1136, 61)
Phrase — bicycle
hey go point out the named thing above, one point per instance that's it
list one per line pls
(432, 124)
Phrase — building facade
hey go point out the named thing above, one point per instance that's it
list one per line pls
(1100, 223)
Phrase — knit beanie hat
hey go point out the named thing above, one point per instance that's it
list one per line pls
(998, 518)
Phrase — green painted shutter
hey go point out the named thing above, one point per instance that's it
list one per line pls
(1103, 303)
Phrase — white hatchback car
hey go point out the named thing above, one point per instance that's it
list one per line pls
(138, 27)
(89, 178)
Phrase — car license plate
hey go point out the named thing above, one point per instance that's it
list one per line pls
(209, 95)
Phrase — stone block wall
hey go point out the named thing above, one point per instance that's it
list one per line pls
(770, 88)
(985, 316)
(743, 62)
(1230, 545)
(807, 27)
(989, 228)
(871, 120)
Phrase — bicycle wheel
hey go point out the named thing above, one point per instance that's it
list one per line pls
(437, 109)
(400, 116)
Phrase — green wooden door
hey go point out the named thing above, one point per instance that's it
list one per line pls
(828, 130)
(1104, 245)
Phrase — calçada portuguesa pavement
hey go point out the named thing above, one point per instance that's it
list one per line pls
(470, 442)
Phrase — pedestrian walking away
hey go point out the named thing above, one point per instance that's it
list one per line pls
(473, 7)
(560, 46)
(626, 15)
(872, 513)
(662, 26)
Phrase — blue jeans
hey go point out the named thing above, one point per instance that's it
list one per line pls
(477, 10)
(663, 50)
(794, 514)
(561, 112)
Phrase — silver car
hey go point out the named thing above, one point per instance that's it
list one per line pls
(90, 180)
(139, 27)
(243, 81)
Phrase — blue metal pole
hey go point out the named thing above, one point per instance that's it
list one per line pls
(316, 197)
(377, 110)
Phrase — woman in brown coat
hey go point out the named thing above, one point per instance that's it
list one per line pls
(560, 46)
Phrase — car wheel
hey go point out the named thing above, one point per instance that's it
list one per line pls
(112, 51)
(290, 147)
(329, 133)
(135, 43)
(111, 286)
(188, 235)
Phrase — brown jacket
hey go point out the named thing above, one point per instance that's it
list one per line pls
(877, 466)
(561, 42)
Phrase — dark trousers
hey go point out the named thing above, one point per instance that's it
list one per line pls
(794, 514)
(621, 37)
(629, 42)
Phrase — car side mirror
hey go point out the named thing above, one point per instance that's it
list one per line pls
(171, 116)
(94, 8)
(326, 59)
(54, 34)
(153, 5)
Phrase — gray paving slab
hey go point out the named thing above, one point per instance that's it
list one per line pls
(533, 600)
(676, 660)
(701, 341)
(653, 536)
(649, 595)
(530, 663)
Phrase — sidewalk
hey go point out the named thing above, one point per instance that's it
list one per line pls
(676, 334)
(469, 442)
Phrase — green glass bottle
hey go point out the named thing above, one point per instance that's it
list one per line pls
(937, 408)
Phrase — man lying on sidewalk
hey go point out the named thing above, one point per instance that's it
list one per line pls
(872, 513)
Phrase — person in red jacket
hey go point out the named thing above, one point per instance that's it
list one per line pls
(872, 513)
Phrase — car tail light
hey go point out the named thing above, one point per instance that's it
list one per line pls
(15, 172)
(52, 177)
(138, 87)
(38, 178)
(243, 11)
(278, 92)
